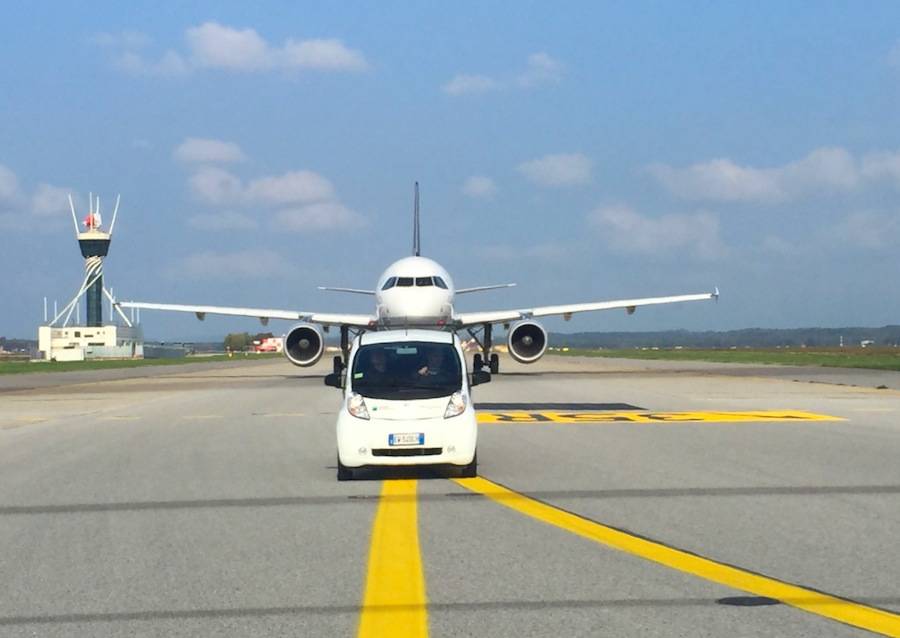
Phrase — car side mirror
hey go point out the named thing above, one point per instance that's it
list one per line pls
(335, 380)
(478, 377)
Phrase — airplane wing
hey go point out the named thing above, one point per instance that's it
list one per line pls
(263, 314)
(464, 319)
(460, 291)
(356, 291)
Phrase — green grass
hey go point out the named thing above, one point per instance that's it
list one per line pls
(19, 367)
(873, 358)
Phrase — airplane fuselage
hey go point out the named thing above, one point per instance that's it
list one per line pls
(414, 291)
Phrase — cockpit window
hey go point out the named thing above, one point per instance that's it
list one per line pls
(423, 281)
(440, 283)
(390, 283)
(405, 281)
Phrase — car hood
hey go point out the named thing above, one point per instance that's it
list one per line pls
(410, 410)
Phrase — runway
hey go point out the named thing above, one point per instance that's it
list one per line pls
(678, 500)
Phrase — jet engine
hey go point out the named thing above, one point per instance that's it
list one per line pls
(527, 341)
(304, 345)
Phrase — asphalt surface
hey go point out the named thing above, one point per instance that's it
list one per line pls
(204, 502)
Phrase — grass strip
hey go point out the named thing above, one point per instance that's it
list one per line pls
(874, 359)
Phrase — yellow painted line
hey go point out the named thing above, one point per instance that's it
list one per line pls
(522, 416)
(394, 603)
(845, 611)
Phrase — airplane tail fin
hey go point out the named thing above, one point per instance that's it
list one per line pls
(417, 245)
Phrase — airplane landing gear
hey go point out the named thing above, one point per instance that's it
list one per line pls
(485, 358)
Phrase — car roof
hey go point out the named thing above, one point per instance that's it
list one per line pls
(395, 336)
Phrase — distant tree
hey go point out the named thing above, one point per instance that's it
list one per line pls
(238, 341)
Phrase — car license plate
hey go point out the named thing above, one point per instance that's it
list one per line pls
(409, 438)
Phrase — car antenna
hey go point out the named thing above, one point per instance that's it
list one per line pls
(417, 246)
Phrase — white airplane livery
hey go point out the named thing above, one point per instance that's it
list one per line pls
(418, 292)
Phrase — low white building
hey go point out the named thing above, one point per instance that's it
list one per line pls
(76, 343)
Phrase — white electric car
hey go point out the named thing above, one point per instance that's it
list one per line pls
(406, 402)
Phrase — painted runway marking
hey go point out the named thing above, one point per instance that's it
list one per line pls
(394, 603)
(501, 418)
(556, 407)
(846, 611)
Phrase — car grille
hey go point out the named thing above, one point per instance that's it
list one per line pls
(407, 451)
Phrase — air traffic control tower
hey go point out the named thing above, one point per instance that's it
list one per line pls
(60, 341)
(94, 244)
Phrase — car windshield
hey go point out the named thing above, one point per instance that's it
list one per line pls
(406, 370)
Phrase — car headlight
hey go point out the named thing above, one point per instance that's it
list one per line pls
(456, 405)
(356, 406)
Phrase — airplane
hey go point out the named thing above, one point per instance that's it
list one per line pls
(418, 292)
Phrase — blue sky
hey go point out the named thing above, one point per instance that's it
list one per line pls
(592, 152)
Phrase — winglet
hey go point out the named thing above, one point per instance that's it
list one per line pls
(715, 295)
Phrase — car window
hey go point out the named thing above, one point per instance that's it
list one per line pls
(404, 281)
(406, 370)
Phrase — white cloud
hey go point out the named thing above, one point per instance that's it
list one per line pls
(558, 170)
(296, 201)
(824, 169)
(212, 45)
(868, 231)
(462, 84)
(882, 165)
(196, 149)
(49, 200)
(9, 186)
(322, 55)
(293, 187)
(216, 186)
(540, 69)
(170, 64)
(317, 217)
(228, 220)
(893, 56)
(626, 231)
(479, 187)
(45, 201)
(242, 264)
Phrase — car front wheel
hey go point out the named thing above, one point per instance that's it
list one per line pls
(344, 473)
(470, 470)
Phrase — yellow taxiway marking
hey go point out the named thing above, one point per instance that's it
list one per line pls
(845, 611)
(521, 416)
(394, 602)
